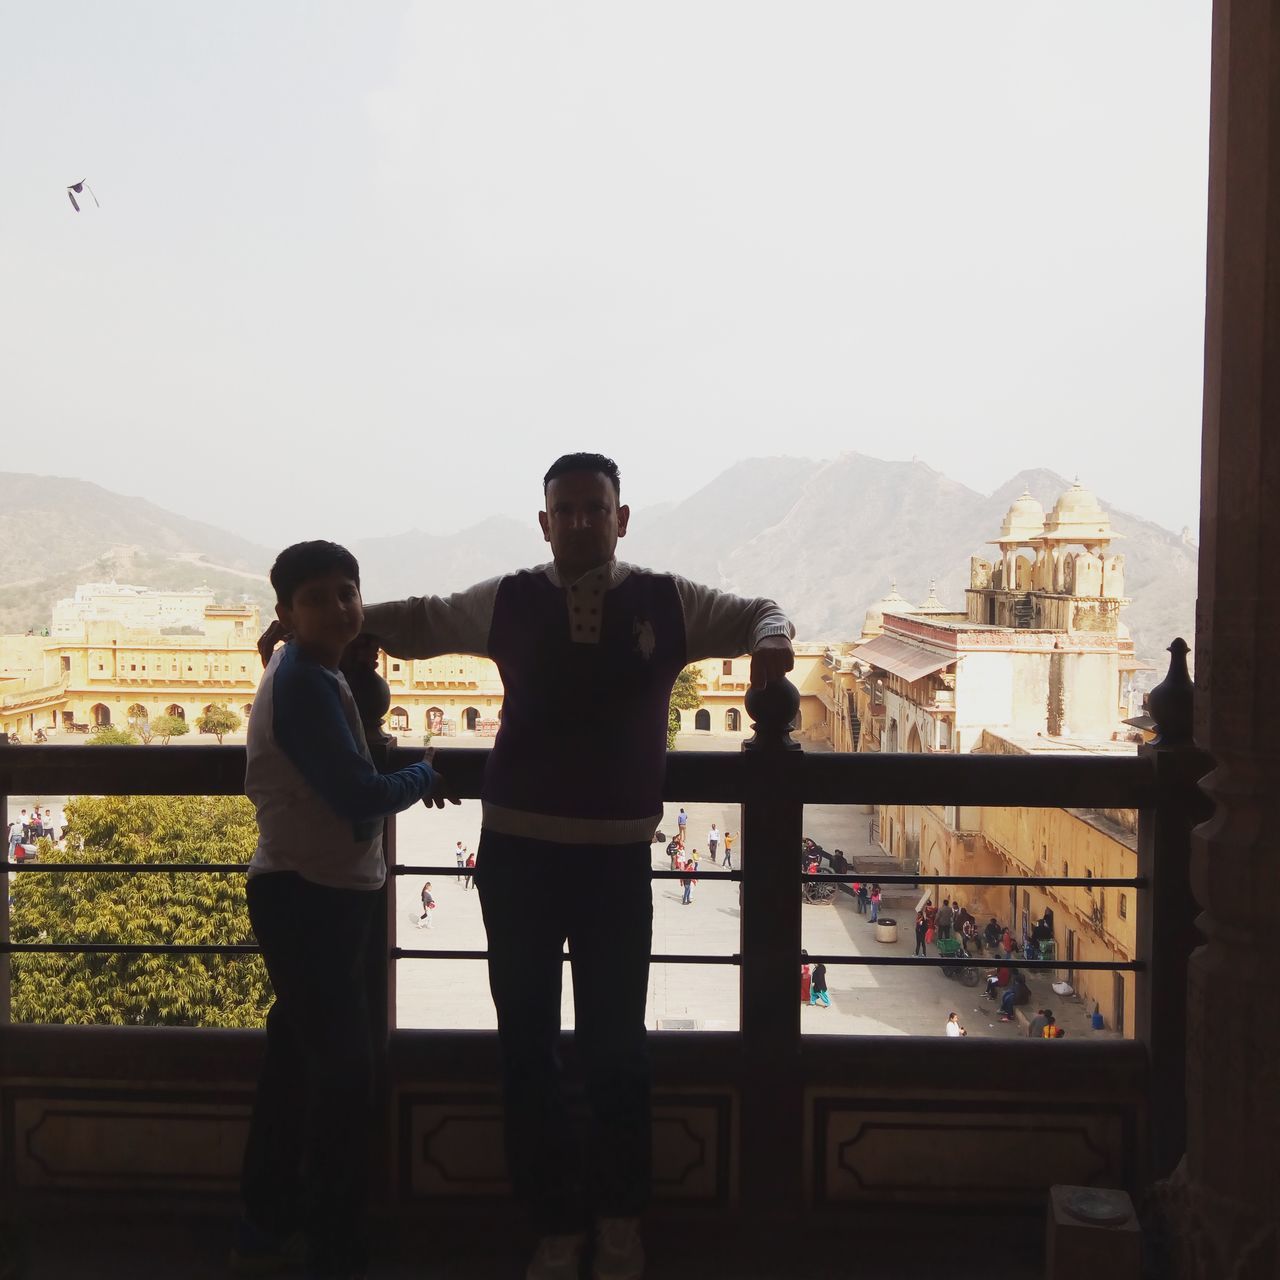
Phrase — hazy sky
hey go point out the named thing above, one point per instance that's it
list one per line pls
(365, 267)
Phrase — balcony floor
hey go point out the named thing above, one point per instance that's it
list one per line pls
(160, 1245)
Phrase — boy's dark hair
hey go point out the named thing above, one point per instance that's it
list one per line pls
(584, 462)
(306, 560)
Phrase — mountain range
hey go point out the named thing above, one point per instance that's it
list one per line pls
(826, 538)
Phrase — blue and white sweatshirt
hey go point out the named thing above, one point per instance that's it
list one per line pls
(319, 798)
(587, 669)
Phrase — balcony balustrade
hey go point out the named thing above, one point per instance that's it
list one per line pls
(758, 1122)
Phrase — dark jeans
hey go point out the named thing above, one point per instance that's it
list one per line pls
(534, 896)
(306, 1163)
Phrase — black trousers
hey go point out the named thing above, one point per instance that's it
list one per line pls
(534, 896)
(306, 1163)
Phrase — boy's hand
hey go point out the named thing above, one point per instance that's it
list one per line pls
(440, 789)
(440, 793)
(271, 637)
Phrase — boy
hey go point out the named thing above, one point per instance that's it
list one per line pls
(312, 890)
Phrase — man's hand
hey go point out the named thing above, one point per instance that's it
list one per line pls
(271, 637)
(361, 652)
(771, 659)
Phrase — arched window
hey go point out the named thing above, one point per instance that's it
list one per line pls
(398, 719)
(101, 714)
(246, 709)
(702, 719)
(913, 741)
(137, 712)
(435, 721)
(469, 718)
(173, 709)
(733, 720)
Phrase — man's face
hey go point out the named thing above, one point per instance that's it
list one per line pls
(326, 613)
(583, 520)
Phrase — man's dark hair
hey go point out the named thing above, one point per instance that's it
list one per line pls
(306, 560)
(568, 462)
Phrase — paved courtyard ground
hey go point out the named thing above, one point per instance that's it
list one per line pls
(864, 1000)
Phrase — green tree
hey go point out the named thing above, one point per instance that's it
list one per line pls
(107, 735)
(217, 720)
(166, 727)
(118, 906)
(684, 697)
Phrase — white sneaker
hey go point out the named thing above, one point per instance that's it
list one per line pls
(557, 1258)
(619, 1253)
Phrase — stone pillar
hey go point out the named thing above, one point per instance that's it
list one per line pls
(1224, 1201)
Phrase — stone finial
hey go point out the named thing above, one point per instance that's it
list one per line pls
(772, 711)
(373, 700)
(1171, 702)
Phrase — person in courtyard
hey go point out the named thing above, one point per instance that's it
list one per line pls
(588, 649)
(1051, 1030)
(460, 856)
(728, 850)
(682, 821)
(428, 906)
(875, 903)
(687, 880)
(312, 889)
(818, 993)
(860, 893)
(953, 1025)
(1007, 945)
(992, 934)
(713, 842)
(806, 978)
(942, 921)
(1036, 1029)
(471, 862)
(673, 852)
(922, 927)
(18, 830)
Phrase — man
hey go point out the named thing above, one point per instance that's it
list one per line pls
(460, 855)
(1036, 1029)
(713, 841)
(682, 821)
(588, 649)
(688, 880)
(728, 850)
(943, 920)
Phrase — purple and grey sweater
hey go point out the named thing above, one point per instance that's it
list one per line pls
(587, 669)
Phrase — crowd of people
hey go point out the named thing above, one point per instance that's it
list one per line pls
(28, 827)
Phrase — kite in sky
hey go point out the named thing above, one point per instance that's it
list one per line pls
(79, 188)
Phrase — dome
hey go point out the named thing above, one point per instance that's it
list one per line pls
(1077, 517)
(932, 604)
(892, 603)
(1023, 521)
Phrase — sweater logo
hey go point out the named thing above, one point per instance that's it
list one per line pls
(646, 641)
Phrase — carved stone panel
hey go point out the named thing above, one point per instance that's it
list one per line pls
(124, 1142)
(962, 1152)
(454, 1146)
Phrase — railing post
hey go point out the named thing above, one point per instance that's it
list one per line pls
(373, 698)
(6, 988)
(1166, 931)
(772, 1170)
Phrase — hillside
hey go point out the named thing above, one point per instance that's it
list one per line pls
(55, 533)
(826, 538)
(854, 525)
